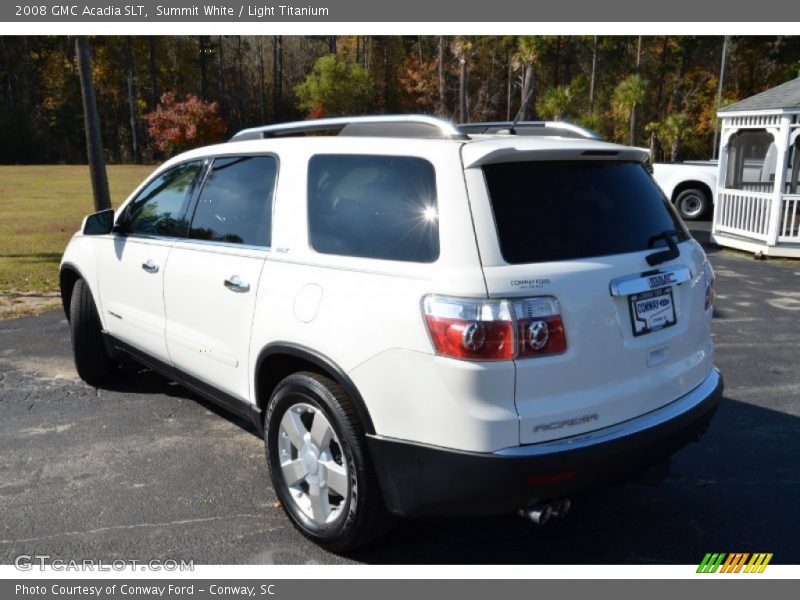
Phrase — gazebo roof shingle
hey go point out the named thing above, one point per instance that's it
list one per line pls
(784, 96)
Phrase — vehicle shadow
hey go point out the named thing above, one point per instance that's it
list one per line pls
(132, 378)
(735, 491)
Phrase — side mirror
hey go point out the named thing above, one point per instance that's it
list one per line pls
(122, 221)
(99, 223)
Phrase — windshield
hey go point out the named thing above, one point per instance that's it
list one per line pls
(553, 211)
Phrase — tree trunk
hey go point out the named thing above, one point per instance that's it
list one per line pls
(527, 87)
(510, 74)
(221, 67)
(240, 95)
(387, 72)
(440, 60)
(662, 75)
(94, 142)
(203, 49)
(151, 45)
(676, 102)
(569, 59)
(557, 68)
(594, 71)
(277, 76)
(633, 110)
(462, 91)
(131, 81)
(332, 44)
(261, 98)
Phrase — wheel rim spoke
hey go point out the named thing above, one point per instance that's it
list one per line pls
(293, 471)
(336, 477)
(321, 431)
(320, 507)
(294, 428)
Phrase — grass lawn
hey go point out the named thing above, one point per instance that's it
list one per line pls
(40, 208)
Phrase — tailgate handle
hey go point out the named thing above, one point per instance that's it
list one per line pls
(636, 284)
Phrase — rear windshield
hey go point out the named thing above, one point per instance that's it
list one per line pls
(551, 211)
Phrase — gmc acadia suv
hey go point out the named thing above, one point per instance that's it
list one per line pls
(418, 322)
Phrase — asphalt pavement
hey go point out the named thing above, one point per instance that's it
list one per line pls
(144, 469)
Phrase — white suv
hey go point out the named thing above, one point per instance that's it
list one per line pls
(419, 323)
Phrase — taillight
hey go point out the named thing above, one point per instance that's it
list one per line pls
(482, 329)
(469, 328)
(541, 330)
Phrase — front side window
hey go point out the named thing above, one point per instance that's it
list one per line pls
(158, 209)
(235, 204)
(368, 206)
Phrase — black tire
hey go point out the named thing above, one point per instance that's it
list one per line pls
(363, 516)
(692, 204)
(92, 361)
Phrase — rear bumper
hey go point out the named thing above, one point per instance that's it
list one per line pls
(419, 480)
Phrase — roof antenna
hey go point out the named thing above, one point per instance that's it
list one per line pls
(520, 111)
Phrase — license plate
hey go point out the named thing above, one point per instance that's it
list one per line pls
(651, 311)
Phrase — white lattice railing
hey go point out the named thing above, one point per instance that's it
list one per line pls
(761, 186)
(743, 213)
(753, 121)
(789, 230)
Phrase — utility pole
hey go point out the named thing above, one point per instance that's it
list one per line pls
(719, 95)
(94, 142)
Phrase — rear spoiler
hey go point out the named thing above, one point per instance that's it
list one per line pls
(477, 154)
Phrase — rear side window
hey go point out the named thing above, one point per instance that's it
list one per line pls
(553, 211)
(373, 206)
(159, 207)
(235, 204)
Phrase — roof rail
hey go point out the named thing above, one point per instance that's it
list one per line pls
(528, 128)
(415, 126)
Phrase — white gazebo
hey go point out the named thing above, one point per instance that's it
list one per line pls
(758, 198)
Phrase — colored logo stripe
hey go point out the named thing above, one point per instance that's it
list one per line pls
(734, 562)
(758, 563)
(710, 563)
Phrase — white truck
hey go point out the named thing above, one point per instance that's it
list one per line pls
(690, 186)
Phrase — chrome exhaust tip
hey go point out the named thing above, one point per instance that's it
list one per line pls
(538, 513)
(561, 507)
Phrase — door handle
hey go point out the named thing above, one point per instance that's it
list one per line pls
(237, 285)
(150, 266)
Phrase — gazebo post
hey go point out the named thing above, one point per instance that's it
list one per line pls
(782, 147)
(722, 172)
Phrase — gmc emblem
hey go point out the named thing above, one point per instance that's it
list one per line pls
(662, 280)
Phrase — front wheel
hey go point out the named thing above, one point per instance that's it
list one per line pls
(692, 204)
(319, 464)
(92, 360)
